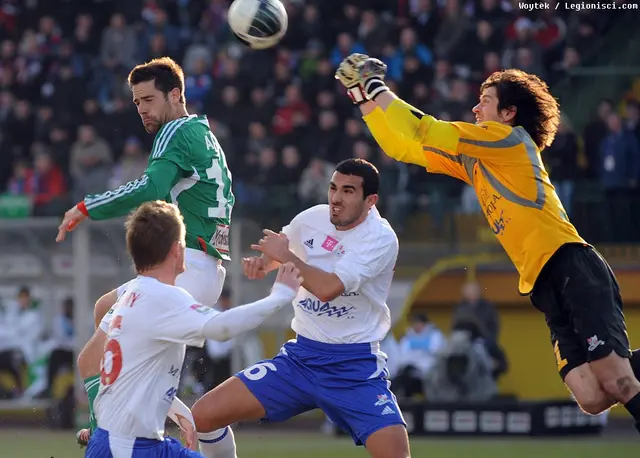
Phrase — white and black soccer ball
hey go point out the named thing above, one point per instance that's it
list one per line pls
(258, 24)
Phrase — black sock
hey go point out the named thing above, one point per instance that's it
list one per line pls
(635, 363)
(633, 407)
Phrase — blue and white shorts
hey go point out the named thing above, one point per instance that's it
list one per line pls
(349, 382)
(101, 445)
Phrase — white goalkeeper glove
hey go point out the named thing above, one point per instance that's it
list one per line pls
(372, 72)
(349, 76)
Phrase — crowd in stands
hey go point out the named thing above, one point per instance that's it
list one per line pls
(68, 126)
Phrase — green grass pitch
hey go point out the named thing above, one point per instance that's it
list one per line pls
(36, 443)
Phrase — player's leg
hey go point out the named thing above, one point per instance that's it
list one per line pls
(593, 297)
(273, 390)
(570, 352)
(204, 277)
(360, 400)
(89, 369)
(389, 442)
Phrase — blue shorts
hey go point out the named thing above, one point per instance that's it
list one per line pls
(347, 381)
(101, 445)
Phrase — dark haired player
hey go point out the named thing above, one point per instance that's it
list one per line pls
(346, 253)
(187, 167)
(566, 278)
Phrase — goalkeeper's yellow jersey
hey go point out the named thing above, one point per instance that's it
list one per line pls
(503, 165)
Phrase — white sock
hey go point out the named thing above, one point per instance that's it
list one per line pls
(218, 444)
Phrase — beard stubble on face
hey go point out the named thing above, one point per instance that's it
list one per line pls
(346, 218)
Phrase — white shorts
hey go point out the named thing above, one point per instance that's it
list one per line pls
(203, 279)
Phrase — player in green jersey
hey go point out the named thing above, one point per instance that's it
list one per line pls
(186, 167)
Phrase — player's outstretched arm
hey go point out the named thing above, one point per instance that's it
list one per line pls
(243, 318)
(154, 184)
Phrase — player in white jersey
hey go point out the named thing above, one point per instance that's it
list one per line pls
(346, 253)
(148, 330)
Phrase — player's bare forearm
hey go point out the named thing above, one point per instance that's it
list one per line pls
(326, 286)
(269, 264)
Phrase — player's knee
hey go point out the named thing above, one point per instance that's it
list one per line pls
(203, 417)
(593, 402)
(616, 377)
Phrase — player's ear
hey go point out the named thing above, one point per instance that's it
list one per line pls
(174, 95)
(509, 115)
(371, 200)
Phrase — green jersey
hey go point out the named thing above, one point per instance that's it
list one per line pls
(186, 167)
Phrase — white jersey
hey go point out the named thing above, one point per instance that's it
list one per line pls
(148, 330)
(363, 258)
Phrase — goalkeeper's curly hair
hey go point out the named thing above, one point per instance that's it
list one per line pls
(537, 111)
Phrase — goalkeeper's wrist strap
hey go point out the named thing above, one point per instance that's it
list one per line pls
(357, 95)
(374, 87)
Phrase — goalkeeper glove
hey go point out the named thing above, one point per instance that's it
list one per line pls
(372, 72)
(348, 75)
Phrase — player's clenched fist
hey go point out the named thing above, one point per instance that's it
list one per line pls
(372, 72)
(289, 275)
(347, 74)
(254, 267)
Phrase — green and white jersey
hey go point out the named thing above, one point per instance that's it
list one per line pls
(187, 167)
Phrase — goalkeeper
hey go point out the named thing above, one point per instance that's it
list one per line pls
(499, 155)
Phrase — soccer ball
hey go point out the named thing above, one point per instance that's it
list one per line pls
(258, 24)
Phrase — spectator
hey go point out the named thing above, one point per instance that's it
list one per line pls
(619, 170)
(312, 188)
(62, 343)
(48, 188)
(561, 160)
(91, 158)
(474, 305)
(131, 165)
(418, 352)
(21, 329)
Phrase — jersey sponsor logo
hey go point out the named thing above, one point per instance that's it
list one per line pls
(116, 324)
(382, 400)
(351, 294)
(329, 243)
(320, 308)
(201, 308)
(309, 243)
(133, 297)
(170, 394)
(340, 250)
(220, 239)
(489, 202)
(174, 371)
(594, 342)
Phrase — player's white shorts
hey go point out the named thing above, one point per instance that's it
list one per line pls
(203, 279)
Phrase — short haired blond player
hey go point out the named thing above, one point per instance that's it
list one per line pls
(147, 332)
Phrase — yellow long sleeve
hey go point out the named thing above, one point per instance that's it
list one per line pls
(392, 143)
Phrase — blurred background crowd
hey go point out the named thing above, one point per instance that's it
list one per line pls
(69, 128)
